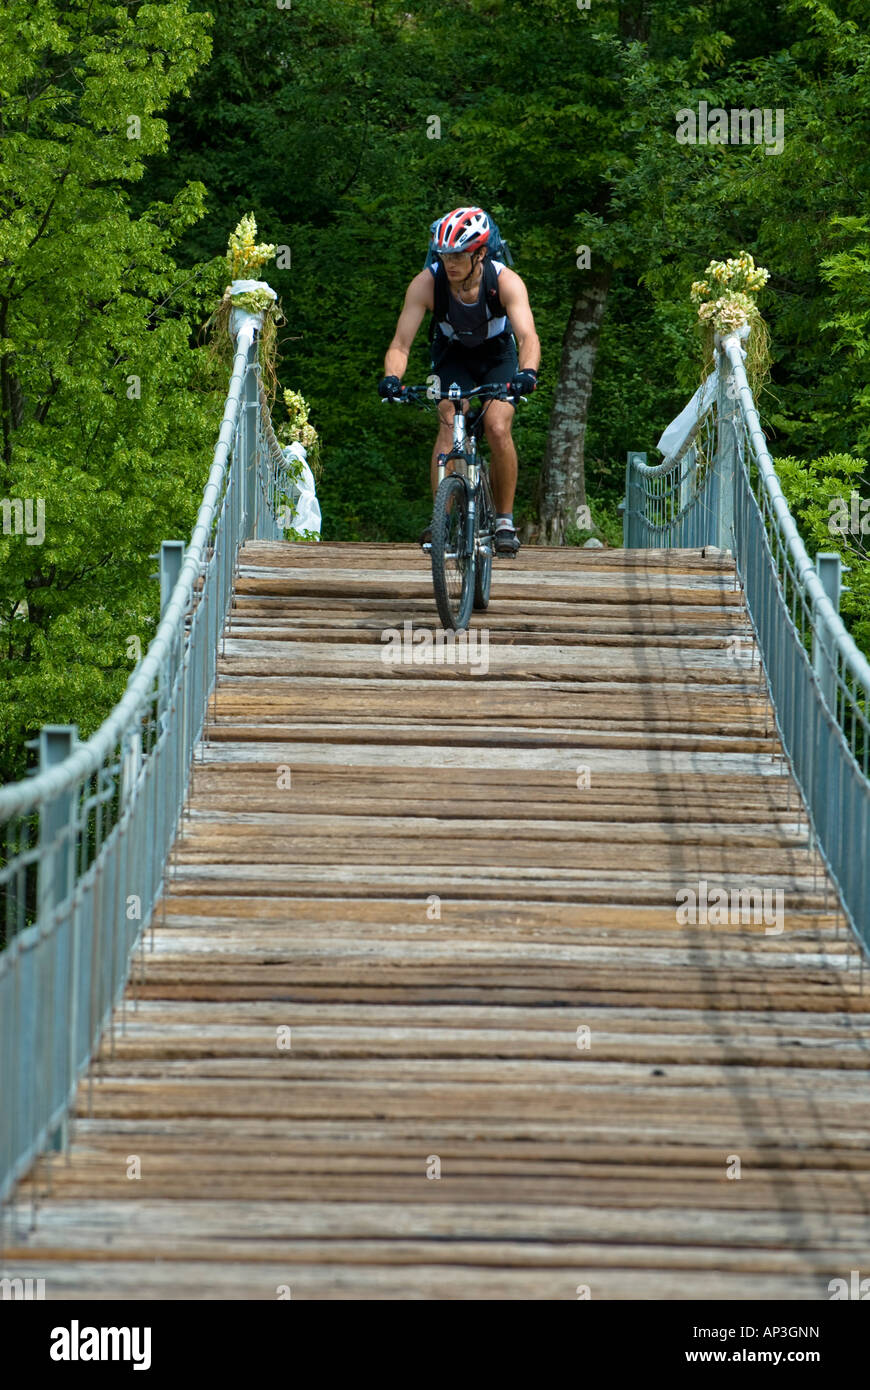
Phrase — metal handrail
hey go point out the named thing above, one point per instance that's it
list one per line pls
(819, 680)
(85, 841)
(20, 797)
(805, 569)
(692, 428)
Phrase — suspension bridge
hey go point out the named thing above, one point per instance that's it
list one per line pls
(345, 964)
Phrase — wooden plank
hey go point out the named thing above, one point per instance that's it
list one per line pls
(307, 907)
(235, 1279)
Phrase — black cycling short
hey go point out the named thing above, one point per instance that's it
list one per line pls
(490, 364)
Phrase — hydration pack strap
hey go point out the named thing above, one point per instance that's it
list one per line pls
(441, 297)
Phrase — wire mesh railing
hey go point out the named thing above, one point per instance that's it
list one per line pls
(84, 842)
(718, 486)
(674, 503)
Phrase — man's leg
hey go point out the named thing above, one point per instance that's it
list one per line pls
(497, 424)
(443, 439)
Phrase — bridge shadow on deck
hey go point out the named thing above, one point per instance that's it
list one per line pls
(764, 1116)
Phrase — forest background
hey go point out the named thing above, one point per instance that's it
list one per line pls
(134, 138)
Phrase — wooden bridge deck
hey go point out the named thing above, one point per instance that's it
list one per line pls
(459, 871)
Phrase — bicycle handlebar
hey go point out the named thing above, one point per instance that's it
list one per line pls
(492, 391)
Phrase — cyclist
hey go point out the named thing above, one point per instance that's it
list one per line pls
(478, 304)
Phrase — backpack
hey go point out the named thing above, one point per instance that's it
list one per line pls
(497, 250)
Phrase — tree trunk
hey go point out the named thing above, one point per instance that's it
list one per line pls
(563, 479)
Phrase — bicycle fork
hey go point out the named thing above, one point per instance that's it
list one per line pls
(468, 472)
(471, 515)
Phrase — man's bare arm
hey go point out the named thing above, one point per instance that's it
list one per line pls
(418, 298)
(515, 298)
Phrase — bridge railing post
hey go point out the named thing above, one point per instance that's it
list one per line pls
(249, 413)
(724, 479)
(56, 824)
(250, 407)
(631, 525)
(688, 470)
(171, 560)
(829, 568)
(55, 883)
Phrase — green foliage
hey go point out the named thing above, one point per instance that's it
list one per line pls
(822, 494)
(847, 271)
(606, 526)
(108, 415)
(318, 119)
(685, 203)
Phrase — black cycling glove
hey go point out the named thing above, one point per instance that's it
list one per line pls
(389, 387)
(524, 383)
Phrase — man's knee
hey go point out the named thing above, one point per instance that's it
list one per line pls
(498, 431)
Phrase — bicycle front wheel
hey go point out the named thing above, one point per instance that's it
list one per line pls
(452, 562)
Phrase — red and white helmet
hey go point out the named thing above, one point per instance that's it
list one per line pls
(463, 229)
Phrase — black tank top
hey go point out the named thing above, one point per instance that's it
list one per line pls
(470, 325)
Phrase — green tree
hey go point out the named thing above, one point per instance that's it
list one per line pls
(107, 413)
(562, 122)
(315, 117)
(682, 204)
(553, 134)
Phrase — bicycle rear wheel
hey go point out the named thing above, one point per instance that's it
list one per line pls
(453, 565)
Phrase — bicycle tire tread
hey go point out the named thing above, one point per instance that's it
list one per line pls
(452, 615)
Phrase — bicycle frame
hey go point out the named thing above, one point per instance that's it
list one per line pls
(471, 469)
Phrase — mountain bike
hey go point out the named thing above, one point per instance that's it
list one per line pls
(463, 517)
